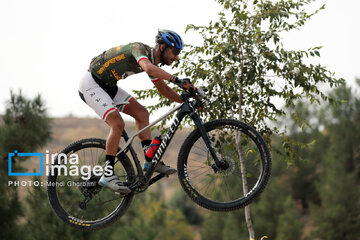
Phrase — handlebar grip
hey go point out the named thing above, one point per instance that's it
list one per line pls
(201, 92)
(180, 83)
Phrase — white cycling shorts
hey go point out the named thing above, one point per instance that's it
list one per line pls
(103, 99)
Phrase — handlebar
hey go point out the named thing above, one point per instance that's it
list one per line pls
(201, 92)
(197, 93)
(193, 91)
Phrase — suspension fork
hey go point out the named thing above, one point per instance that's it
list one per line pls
(205, 136)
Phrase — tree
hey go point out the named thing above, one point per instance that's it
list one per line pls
(269, 207)
(213, 226)
(149, 217)
(244, 66)
(289, 224)
(25, 127)
(302, 175)
(187, 207)
(343, 123)
(231, 229)
(337, 217)
(10, 208)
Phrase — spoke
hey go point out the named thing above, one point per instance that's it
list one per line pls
(201, 141)
(194, 168)
(237, 173)
(201, 155)
(198, 175)
(102, 204)
(192, 161)
(227, 192)
(211, 180)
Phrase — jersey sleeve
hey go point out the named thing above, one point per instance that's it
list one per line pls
(139, 52)
(154, 79)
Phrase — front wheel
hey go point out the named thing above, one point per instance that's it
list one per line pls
(243, 175)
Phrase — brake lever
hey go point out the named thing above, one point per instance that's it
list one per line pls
(199, 104)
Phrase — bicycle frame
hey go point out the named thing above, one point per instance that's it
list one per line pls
(186, 108)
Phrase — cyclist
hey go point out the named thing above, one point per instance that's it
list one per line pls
(99, 90)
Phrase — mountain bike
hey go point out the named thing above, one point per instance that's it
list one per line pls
(222, 165)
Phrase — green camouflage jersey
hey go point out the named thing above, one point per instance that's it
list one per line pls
(120, 62)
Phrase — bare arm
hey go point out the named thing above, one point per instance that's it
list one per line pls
(162, 87)
(167, 92)
(153, 70)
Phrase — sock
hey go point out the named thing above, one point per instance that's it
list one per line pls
(111, 160)
(145, 144)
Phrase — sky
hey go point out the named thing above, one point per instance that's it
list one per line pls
(46, 45)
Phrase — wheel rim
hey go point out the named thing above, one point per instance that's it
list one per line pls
(225, 186)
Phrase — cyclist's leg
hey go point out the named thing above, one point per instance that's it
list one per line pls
(117, 124)
(96, 97)
(102, 103)
(131, 107)
(141, 116)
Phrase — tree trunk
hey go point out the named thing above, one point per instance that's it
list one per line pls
(248, 219)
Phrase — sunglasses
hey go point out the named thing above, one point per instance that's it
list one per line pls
(175, 51)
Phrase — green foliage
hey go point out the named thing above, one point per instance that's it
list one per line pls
(325, 178)
(187, 207)
(150, 218)
(269, 207)
(301, 180)
(10, 207)
(344, 124)
(245, 67)
(266, 212)
(232, 228)
(289, 222)
(26, 126)
(338, 215)
(214, 226)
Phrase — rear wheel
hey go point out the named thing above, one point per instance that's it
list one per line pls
(244, 173)
(74, 193)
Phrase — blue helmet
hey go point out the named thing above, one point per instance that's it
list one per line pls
(170, 38)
